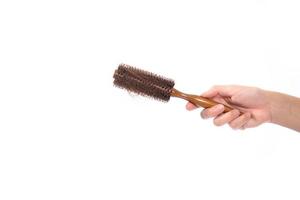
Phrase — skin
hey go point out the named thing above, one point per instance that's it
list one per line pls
(252, 107)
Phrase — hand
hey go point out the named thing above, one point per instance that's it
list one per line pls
(251, 106)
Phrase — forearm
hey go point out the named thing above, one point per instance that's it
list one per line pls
(285, 110)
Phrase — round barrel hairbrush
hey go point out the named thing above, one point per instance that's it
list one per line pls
(158, 87)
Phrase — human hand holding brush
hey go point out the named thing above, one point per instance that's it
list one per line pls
(239, 106)
(252, 107)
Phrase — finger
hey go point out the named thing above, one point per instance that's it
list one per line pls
(226, 118)
(213, 111)
(223, 90)
(189, 106)
(220, 99)
(240, 121)
(252, 123)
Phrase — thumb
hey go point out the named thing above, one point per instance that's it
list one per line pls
(222, 90)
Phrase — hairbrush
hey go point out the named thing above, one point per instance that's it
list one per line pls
(155, 86)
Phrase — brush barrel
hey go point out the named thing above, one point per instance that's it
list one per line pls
(198, 101)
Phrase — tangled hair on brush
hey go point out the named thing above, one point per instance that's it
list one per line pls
(143, 82)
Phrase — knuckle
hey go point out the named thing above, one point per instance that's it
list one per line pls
(207, 113)
(233, 125)
(242, 128)
(215, 86)
(231, 114)
(203, 114)
(217, 122)
(234, 98)
(236, 113)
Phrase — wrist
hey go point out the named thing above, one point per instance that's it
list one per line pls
(283, 108)
(276, 106)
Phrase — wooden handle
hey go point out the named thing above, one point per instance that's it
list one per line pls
(198, 101)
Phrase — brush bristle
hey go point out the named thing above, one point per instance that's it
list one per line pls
(143, 82)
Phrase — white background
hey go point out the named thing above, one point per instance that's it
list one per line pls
(67, 133)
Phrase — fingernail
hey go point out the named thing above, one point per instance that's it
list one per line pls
(219, 107)
(203, 115)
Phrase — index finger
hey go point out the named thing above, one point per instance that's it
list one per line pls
(189, 106)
